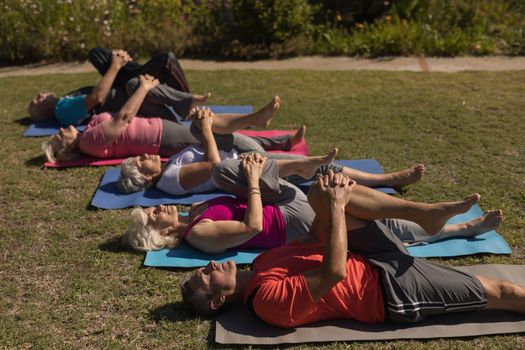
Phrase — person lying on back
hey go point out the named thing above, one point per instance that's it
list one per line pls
(360, 271)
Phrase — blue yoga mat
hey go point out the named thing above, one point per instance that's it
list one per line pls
(50, 127)
(489, 242)
(46, 128)
(108, 196)
(187, 256)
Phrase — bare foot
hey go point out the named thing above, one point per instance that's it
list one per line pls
(311, 164)
(265, 114)
(298, 137)
(406, 177)
(489, 221)
(440, 213)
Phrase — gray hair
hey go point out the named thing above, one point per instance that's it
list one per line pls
(55, 151)
(142, 237)
(197, 300)
(131, 179)
(37, 113)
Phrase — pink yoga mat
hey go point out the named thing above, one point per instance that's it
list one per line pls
(301, 149)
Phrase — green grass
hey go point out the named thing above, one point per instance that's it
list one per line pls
(66, 283)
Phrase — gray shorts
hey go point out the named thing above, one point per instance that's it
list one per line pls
(414, 288)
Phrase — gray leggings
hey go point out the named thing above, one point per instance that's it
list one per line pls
(176, 136)
(297, 213)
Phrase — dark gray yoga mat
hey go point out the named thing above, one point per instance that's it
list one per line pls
(238, 325)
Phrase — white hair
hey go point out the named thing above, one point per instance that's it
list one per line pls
(142, 237)
(56, 151)
(131, 179)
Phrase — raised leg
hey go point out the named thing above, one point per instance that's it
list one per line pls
(166, 68)
(100, 58)
(229, 123)
(369, 204)
(158, 99)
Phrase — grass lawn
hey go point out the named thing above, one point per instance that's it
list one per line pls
(66, 282)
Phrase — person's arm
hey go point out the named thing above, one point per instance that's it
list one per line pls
(217, 236)
(119, 59)
(336, 189)
(192, 175)
(114, 127)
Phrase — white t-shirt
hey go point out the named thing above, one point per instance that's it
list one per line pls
(169, 181)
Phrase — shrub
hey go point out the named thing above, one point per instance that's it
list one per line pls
(67, 29)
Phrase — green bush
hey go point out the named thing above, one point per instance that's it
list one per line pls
(66, 29)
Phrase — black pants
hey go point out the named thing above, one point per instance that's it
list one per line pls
(164, 66)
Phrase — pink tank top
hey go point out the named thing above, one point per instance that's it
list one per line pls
(143, 135)
(228, 208)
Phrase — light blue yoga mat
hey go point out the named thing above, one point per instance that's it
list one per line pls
(489, 242)
(187, 256)
(50, 127)
(108, 196)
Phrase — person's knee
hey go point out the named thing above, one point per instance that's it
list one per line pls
(132, 85)
(226, 172)
(97, 53)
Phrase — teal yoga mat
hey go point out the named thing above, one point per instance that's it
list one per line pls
(187, 256)
(489, 242)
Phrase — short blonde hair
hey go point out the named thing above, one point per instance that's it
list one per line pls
(55, 151)
(131, 179)
(142, 237)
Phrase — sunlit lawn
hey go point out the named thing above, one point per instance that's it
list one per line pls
(65, 281)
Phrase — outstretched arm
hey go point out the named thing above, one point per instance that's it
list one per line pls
(114, 127)
(336, 190)
(192, 175)
(217, 236)
(119, 58)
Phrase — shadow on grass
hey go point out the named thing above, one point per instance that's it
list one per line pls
(24, 121)
(172, 312)
(115, 245)
(37, 161)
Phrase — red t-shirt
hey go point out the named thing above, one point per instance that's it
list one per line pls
(143, 135)
(283, 298)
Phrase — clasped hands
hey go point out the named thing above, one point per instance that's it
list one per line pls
(335, 189)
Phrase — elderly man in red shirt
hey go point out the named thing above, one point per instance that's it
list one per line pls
(374, 281)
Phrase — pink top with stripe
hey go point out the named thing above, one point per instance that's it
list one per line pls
(143, 135)
(228, 208)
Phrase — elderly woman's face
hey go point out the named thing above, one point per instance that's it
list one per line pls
(149, 165)
(162, 216)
